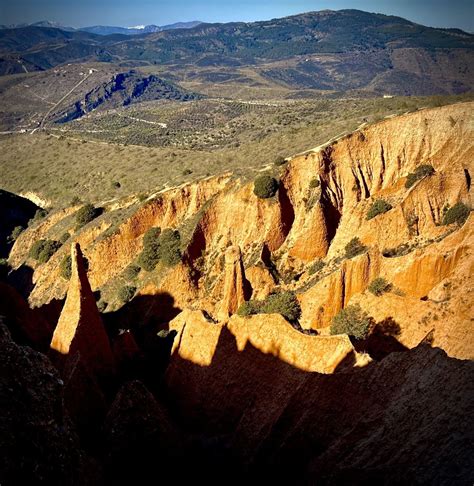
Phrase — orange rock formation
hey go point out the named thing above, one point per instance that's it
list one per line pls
(80, 327)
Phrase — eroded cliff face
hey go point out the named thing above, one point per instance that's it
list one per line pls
(321, 205)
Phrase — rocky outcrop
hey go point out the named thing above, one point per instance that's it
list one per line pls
(38, 442)
(236, 287)
(80, 328)
(275, 416)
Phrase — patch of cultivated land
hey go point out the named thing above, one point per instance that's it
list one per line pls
(86, 159)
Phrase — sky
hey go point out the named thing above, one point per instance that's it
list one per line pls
(81, 13)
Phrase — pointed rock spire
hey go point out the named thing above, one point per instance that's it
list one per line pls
(236, 287)
(80, 328)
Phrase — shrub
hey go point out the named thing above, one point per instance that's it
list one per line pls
(265, 187)
(313, 183)
(421, 171)
(351, 321)
(316, 267)
(284, 303)
(65, 267)
(126, 293)
(86, 214)
(187, 172)
(170, 242)
(64, 238)
(280, 161)
(249, 308)
(149, 258)
(17, 231)
(36, 249)
(379, 206)
(379, 286)
(131, 271)
(101, 305)
(4, 268)
(151, 236)
(457, 214)
(40, 214)
(354, 248)
(49, 248)
(116, 185)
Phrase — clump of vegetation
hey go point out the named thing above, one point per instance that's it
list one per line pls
(421, 172)
(39, 215)
(352, 321)
(86, 214)
(126, 293)
(248, 308)
(284, 303)
(4, 268)
(316, 267)
(187, 172)
(65, 267)
(170, 253)
(17, 231)
(457, 214)
(64, 237)
(265, 186)
(354, 248)
(36, 249)
(101, 306)
(379, 206)
(280, 161)
(400, 250)
(47, 250)
(314, 183)
(379, 286)
(116, 185)
(131, 271)
(158, 245)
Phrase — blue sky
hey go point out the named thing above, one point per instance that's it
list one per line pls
(76, 13)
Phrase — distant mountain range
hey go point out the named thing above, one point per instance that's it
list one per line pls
(108, 30)
(327, 50)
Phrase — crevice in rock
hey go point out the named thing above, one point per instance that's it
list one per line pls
(468, 179)
(287, 211)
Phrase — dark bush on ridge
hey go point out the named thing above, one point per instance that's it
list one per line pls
(457, 214)
(265, 186)
(351, 321)
(378, 207)
(354, 248)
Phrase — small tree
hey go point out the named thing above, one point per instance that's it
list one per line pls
(36, 249)
(65, 267)
(457, 214)
(354, 248)
(50, 247)
(352, 321)
(17, 231)
(380, 206)
(421, 172)
(170, 241)
(316, 267)
(131, 271)
(379, 286)
(280, 161)
(126, 293)
(86, 214)
(249, 308)
(151, 236)
(265, 186)
(284, 303)
(314, 183)
(64, 237)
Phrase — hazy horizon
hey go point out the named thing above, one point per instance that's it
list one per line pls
(433, 13)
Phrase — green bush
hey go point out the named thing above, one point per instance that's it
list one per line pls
(116, 185)
(457, 214)
(187, 172)
(50, 247)
(157, 245)
(17, 231)
(314, 183)
(39, 215)
(126, 293)
(284, 303)
(249, 308)
(131, 271)
(64, 238)
(65, 267)
(379, 206)
(316, 267)
(86, 214)
(421, 171)
(151, 236)
(36, 249)
(354, 248)
(280, 161)
(351, 321)
(265, 186)
(170, 241)
(379, 286)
